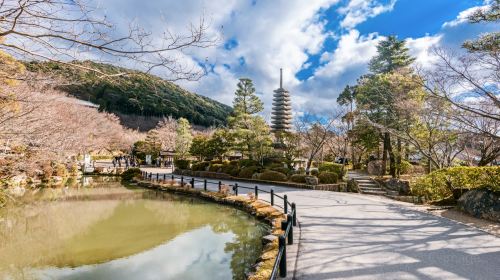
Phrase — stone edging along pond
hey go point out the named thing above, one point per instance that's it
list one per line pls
(259, 209)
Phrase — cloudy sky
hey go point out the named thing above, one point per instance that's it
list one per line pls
(322, 45)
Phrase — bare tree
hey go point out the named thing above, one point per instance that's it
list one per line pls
(64, 31)
(469, 82)
(315, 133)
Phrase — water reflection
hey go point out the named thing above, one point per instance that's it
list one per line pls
(107, 231)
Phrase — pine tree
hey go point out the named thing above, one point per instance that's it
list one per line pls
(246, 102)
(392, 54)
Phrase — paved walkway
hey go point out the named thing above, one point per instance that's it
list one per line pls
(353, 236)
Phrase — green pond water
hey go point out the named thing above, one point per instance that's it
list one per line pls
(104, 230)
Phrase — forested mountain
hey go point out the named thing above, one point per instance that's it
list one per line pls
(134, 94)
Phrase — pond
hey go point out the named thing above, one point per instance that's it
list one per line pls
(105, 230)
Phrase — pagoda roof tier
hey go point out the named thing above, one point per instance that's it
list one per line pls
(285, 107)
(281, 90)
(276, 115)
(277, 128)
(281, 121)
(280, 98)
(279, 103)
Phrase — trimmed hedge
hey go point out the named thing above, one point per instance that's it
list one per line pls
(273, 176)
(131, 173)
(331, 167)
(281, 169)
(328, 178)
(298, 178)
(182, 163)
(200, 166)
(440, 184)
(248, 172)
(247, 163)
(215, 167)
(230, 169)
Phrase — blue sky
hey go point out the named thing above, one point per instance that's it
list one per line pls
(322, 45)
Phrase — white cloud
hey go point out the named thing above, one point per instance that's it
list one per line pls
(358, 11)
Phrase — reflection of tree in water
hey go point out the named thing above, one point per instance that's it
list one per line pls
(246, 246)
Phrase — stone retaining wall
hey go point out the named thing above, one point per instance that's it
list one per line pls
(259, 209)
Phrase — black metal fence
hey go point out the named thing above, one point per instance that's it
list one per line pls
(289, 209)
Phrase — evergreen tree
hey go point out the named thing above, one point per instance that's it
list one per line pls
(392, 54)
(183, 138)
(246, 102)
(250, 131)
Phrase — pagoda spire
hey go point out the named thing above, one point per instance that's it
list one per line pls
(282, 110)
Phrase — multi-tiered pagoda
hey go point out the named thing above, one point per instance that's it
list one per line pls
(282, 109)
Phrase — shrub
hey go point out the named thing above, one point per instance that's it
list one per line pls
(131, 173)
(328, 178)
(440, 184)
(181, 163)
(331, 167)
(298, 178)
(200, 166)
(405, 167)
(230, 169)
(247, 163)
(314, 172)
(281, 169)
(273, 176)
(248, 172)
(215, 167)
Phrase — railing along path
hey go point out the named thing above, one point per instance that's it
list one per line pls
(287, 226)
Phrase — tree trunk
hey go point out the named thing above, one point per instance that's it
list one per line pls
(308, 165)
(392, 157)
(387, 143)
(407, 151)
(398, 158)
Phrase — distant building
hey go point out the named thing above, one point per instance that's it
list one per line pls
(281, 119)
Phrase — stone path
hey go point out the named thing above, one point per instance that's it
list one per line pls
(355, 236)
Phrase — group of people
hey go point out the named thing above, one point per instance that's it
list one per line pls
(128, 161)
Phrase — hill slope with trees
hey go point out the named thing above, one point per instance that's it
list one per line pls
(134, 94)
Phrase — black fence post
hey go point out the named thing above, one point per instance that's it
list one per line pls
(150, 175)
(294, 213)
(290, 232)
(192, 183)
(220, 185)
(285, 205)
(164, 177)
(205, 184)
(272, 197)
(172, 177)
(235, 188)
(182, 181)
(157, 176)
(282, 246)
(256, 192)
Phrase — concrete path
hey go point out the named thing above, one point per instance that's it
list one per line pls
(354, 236)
